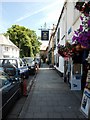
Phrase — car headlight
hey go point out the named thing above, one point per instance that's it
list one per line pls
(33, 63)
(32, 67)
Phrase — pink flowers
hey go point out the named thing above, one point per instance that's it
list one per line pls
(66, 51)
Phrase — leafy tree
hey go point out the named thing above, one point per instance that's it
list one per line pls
(25, 39)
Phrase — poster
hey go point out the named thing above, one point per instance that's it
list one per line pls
(85, 104)
(76, 82)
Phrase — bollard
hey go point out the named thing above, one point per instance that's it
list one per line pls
(25, 87)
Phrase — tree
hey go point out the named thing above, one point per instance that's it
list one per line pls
(25, 39)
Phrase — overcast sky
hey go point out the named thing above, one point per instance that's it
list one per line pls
(28, 13)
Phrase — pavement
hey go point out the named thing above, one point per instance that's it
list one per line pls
(51, 97)
(14, 112)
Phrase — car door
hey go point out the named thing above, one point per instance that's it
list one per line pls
(23, 69)
(10, 92)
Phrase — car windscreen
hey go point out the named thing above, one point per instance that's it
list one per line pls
(29, 60)
(8, 61)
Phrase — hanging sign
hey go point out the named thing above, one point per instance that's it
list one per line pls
(45, 35)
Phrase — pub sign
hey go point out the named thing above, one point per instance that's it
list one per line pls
(45, 35)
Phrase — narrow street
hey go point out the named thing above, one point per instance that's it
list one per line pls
(50, 97)
(45, 59)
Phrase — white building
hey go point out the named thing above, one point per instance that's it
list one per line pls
(68, 22)
(7, 48)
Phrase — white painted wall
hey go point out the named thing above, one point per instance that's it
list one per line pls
(61, 64)
(69, 19)
(7, 48)
(63, 29)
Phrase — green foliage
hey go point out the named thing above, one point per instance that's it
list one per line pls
(25, 39)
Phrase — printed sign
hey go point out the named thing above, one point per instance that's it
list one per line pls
(88, 80)
(45, 35)
(85, 104)
(76, 82)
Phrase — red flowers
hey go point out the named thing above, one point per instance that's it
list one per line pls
(66, 51)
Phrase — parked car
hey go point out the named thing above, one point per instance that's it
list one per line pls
(30, 61)
(10, 91)
(16, 63)
(38, 61)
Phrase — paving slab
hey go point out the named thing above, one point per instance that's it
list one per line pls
(50, 97)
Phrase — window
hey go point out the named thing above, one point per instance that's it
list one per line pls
(6, 48)
(4, 79)
(8, 61)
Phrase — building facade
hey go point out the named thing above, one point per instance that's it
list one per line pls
(7, 48)
(68, 22)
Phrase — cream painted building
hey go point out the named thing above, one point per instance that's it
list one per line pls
(7, 48)
(69, 20)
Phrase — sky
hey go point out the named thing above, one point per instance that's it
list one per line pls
(31, 14)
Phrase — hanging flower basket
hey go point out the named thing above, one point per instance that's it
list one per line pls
(77, 57)
(78, 47)
(65, 51)
(83, 7)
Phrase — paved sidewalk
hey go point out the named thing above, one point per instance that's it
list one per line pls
(51, 98)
